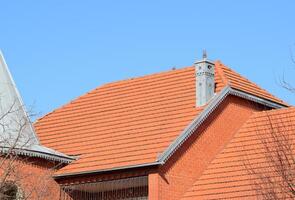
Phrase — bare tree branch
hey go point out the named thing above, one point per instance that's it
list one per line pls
(275, 179)
(13, 171)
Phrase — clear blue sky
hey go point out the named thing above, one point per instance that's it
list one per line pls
(58, 50)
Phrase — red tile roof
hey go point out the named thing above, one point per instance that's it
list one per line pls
(130, 122)
(229, 176)
(239, 82)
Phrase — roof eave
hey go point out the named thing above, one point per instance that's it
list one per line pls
(68, 175)
(38, 154)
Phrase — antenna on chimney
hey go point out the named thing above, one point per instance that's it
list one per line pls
(204, 54)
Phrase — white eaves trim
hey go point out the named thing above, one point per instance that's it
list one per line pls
(39, 152)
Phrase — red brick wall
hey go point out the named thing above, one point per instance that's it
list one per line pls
(187, 164)
(33, 177)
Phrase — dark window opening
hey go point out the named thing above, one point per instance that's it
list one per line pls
(8, 191)
(135, 188)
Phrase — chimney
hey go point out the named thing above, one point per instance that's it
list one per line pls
(205, 83)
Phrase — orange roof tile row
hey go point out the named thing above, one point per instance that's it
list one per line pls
(230, 174)
(236, 81)
(129, 122)
(124, 123)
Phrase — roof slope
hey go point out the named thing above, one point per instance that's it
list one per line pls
(13, 112)
(227, 177)
(17, 132)
(129, 122)
(236, 81)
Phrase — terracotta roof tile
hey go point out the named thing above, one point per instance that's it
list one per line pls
(239, 82)
(227, 176)
(129, 122)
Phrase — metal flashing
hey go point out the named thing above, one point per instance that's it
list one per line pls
(212, 105)
(188, 131)
(38, 154)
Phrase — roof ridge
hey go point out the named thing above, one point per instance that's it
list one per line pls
(149, 75)
(67, 104)
(107, 84)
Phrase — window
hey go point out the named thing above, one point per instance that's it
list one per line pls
(135, 188)
(9, 191)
